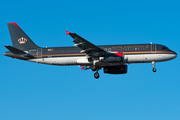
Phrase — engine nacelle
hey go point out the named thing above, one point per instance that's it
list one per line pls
(121, 69)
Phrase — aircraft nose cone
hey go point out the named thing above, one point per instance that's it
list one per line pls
(175, 55)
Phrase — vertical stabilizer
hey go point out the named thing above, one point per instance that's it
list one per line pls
(19, 38)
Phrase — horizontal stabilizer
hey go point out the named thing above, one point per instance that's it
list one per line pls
(14, 50)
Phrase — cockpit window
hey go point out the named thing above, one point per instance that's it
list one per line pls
(165, 48)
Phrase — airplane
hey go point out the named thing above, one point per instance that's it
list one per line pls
(112, 58)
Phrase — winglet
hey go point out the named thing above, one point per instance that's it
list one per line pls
(67, 32)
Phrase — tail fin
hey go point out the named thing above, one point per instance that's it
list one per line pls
(19, 38)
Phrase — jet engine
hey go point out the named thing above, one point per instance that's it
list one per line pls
(121, 69)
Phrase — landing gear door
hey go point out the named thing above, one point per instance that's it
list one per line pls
(39, 52)
(153, 48)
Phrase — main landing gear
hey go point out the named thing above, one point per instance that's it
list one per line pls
(96, 75)
(95, 68)
(153, 65)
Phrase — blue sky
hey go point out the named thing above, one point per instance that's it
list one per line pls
(31, 91)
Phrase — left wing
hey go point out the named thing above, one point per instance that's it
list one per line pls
(85, 46)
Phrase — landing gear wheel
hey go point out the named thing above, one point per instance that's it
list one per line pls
(153, 65)
(93, 68)
(96, 75)
(154, 70)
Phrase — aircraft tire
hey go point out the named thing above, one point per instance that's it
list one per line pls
(96, 75)
(154, 70)
(93, 68)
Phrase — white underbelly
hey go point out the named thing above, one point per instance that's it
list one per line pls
(141, 58)
(149, 58)
(57, 60)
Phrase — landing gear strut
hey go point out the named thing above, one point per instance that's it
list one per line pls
(153, 65)
(94, 67)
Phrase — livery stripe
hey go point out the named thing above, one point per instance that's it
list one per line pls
(83, 54)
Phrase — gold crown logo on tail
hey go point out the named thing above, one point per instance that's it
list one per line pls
(22, 40)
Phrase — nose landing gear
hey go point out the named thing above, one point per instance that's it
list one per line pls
(154, 69)
(153, 65)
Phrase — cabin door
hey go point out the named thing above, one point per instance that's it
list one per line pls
(39, 52)
(153, 48)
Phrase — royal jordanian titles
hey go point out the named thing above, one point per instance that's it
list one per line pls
(113, 59)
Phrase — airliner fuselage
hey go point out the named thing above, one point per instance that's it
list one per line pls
(113, 58)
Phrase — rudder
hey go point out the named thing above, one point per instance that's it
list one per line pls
(19, 38)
